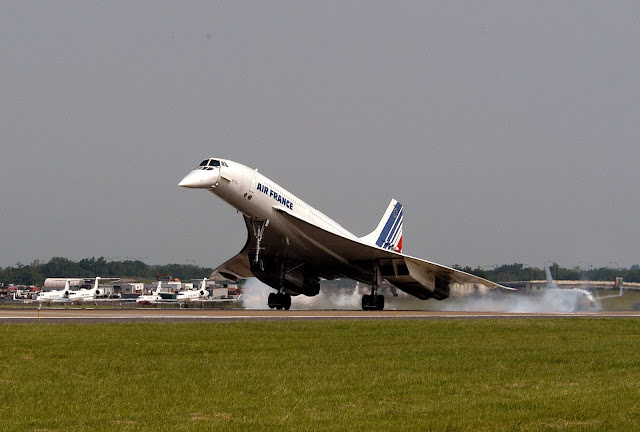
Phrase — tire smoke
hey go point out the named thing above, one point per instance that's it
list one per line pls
(554, 300)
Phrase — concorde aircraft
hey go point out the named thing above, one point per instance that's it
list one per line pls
(291, 246)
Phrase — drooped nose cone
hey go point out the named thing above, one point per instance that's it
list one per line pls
(200, 179)
(191, 180)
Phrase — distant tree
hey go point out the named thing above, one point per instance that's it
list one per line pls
(36, 272)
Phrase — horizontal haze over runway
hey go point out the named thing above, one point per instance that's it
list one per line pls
(509, 131)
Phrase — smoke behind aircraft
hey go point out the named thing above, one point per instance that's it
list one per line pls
(556, 300)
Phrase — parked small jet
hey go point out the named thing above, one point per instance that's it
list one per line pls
(190, 295)
(154, 297)
(55, 296)
(85, 295)
(291, 245)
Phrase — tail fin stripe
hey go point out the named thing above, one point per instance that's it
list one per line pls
(393, 234)
(394, 221)
(385, 231)
(388, 233)
(396, 237)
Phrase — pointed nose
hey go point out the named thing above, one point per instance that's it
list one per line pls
(191, 180)
(199, 178)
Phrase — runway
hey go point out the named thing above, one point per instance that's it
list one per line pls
(87, 315)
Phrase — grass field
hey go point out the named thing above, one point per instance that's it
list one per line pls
(515, 374)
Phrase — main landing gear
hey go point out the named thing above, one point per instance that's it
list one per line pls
(372, 302)
(279, 301)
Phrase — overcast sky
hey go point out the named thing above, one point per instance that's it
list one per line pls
(509, 130)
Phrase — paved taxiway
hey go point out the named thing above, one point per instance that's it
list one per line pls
(159, 315)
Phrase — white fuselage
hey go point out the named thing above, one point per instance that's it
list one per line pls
(149, 298)
(258, 197)
(53, 296)
(190, 295)
(83, 295)
(56, 295)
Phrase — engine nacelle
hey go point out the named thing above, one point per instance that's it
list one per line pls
(442, 289)
(437, 285)
(99, 292)
(304, 283)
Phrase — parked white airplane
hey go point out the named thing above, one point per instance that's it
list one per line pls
(85, 295)
(291, 245)
(580, 298)
(190, 295)
(154, 297)
(585, 300)
(55, 296)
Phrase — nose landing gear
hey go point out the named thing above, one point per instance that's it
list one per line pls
(258, 230)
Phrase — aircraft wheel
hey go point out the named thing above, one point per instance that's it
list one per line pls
(366, 301)
(271, 301)
(279, 301)
(379, 302)
(286, 301)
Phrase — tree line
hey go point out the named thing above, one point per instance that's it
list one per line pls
(521, 272)
(36, 272)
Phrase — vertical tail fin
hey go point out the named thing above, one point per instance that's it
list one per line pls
(550, 282)
(157, 291)
(388, 234)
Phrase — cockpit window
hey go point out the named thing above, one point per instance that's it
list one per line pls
(209, 164)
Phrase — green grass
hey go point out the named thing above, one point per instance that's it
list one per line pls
(552, 374)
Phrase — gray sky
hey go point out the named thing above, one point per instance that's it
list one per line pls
(509, 131)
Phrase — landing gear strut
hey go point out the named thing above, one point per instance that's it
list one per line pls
(374, 301)
(279, 301)
(258, 230)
